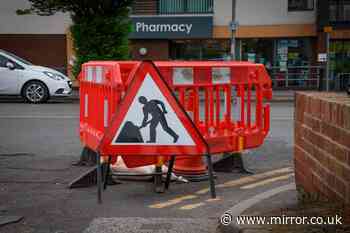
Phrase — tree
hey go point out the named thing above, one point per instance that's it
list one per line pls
(100, 27)
(100, 32)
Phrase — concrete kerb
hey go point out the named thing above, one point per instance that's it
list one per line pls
(159, 225)
(238, 210)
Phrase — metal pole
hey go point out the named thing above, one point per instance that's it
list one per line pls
(99, 178)
(287, 77)
(106, 175)
(328, 60)
(233, 45)
(170, 170)
(233, 31)
(211, 176)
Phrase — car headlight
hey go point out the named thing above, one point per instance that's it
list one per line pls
(54, 76)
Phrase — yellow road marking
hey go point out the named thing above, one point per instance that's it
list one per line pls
(213, 200)
(172, 202)
(268, 181)
(253, 178)
(232, 183)
(203, 191)
(196, 205)
(191, 206)
(246, 180)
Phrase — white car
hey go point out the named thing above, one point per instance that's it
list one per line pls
(34, 83)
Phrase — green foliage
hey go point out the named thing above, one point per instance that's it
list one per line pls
(100, 27)
(100, 38)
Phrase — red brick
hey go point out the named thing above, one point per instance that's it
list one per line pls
(325, 143)
(339, 152)
(317, 182)
(307, 146)
(157, 49)
(329, 130)
(312, 137)
(312, 123)
(340, 116)
(340, 187)
(338, 168)
(298, 132)
(300, 178)
(348, 157)
(346, 174)
(344, 137)
(346, 112)
(319, 169)
(338, 111)
(300, 162)
(325, 111)
(322, 137)
(307, 104)
(304, 181)
(330, 179)
(301, 101)
(322, 157)
(315, 107)
(347, 200)
(334, 113)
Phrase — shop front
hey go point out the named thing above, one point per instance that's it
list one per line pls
(340, 56)
(176, 38)
(208, 49)
(290, 61)
(280, 53)
(339, 64)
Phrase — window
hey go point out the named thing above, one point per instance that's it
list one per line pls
(185, 6)
(301, 5)
(340, 56)
(15, 57)
(3, 61)
(339, 10)
(200, 49)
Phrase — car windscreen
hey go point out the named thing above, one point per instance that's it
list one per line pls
(17, 58)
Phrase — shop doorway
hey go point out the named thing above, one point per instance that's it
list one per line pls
(288, 61)
(339, 63)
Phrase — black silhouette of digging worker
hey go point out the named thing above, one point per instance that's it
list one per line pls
(131, 133)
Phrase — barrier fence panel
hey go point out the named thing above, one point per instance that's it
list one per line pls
(224, 99)
(296, 77)
(209, 90)
(212, 108)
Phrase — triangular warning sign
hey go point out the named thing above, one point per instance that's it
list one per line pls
(150, 121)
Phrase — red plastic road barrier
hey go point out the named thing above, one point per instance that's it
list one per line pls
(208, 89)
(224, 101)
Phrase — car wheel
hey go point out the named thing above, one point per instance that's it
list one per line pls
(35, 92)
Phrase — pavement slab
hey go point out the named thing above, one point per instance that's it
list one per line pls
(146, 225)
(285, 205)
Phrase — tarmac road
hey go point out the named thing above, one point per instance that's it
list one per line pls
(39, 143)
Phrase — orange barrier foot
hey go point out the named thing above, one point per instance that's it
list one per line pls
(191, 168)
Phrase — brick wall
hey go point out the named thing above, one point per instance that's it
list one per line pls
(44, 50)
(322, 144)
(156, 49)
